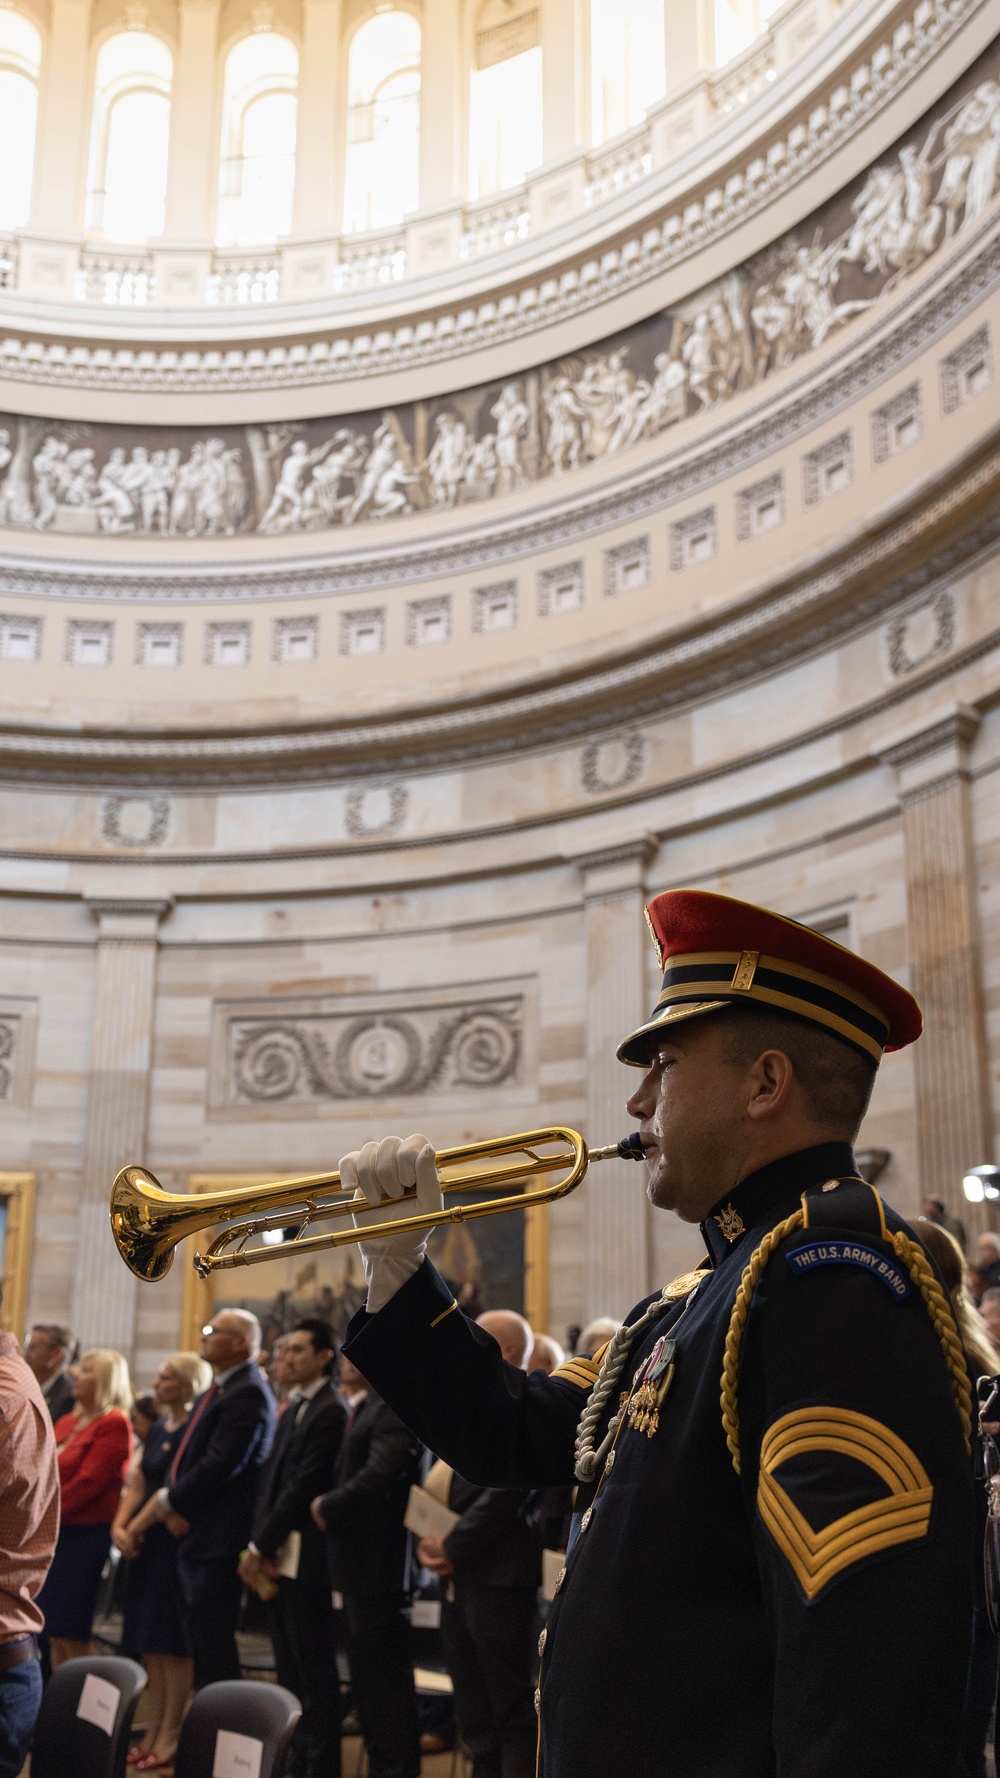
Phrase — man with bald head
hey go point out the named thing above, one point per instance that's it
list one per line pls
(490, 1564)
(512, 1334)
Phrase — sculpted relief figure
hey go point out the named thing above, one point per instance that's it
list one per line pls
(972, 157)
(447, 458)
(512, 417)
(564, 440)
(286, 511)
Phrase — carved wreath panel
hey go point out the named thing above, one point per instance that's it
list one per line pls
(463, 1048)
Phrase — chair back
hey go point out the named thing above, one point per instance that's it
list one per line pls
(237, 1728)
(85, 1718)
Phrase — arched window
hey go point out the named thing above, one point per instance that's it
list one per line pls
(127, 186)
(257, 174)
(737, 23)
(383, 122)
(20, 60)
(505, 101)
(627, 63)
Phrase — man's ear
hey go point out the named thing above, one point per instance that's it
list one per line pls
(772, 1083)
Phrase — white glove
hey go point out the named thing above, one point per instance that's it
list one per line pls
(380, 1173)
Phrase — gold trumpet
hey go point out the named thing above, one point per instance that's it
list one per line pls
(148, 1222)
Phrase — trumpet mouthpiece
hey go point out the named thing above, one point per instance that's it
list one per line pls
(628, 1149)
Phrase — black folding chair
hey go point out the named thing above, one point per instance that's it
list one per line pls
(86, 1716)
(258, 1721)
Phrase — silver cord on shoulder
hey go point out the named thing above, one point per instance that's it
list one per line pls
(587, 1460)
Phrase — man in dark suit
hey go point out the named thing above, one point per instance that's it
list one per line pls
(369, 1567)
(285, 1538)
(208, 1502)
(491, 1568)
(49, 1350)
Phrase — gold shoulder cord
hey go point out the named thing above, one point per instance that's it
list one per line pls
(921, 1273)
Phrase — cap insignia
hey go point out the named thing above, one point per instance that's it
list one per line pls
(745, 971)
(658, 948)
(730, 1221)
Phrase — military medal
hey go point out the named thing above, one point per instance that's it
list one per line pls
(656, 1378)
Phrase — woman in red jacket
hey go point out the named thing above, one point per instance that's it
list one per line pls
(94, 1443)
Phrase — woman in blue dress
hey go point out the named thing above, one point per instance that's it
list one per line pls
(152, 1630)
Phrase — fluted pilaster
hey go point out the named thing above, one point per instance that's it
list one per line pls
(565, 76)
(319, 146)
(618, 1236)
(192, 165)
(442, 104)
(63, 115)
(950, 1060)
(103, 1311)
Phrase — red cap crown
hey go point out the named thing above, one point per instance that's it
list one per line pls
(716, 951)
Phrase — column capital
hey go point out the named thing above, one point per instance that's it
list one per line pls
(126, 918)
(929, 757)
(614, 870)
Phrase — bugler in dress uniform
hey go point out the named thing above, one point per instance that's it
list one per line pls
(771, 1565)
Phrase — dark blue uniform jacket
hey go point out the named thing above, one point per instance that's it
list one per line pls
(808, 1617)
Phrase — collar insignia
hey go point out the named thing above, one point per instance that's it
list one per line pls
(731, 1223)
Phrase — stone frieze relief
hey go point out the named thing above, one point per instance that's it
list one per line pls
(467, 448)
(325, 1056)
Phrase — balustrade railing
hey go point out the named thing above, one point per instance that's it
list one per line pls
(118, 275)
(110, 274)
(365, 261)
(242, 276)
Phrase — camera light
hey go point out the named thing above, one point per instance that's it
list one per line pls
(982, 1184)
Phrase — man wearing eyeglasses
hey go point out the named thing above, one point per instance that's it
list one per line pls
(208, 1501)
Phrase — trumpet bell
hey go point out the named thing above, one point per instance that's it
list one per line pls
(144, 1223)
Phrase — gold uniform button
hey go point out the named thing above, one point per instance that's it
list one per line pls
(585, 1521)
(609, 1466)
(538, 1700)
(560, 1577)
(543, 1638)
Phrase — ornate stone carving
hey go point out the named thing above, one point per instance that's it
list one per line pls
(916, 636)
(897, 424)
(374, 809)
(804, 404)
(749, 182)
(727, 337)
(329, 1056)
(8, 1057)
(967, 371)
(828, 468)
(134, 821)
(612, 763)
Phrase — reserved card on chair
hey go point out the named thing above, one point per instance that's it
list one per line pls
(237, 1756)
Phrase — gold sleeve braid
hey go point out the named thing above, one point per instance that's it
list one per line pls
(922, 1274)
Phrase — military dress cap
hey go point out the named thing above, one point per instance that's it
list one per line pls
(716, 952)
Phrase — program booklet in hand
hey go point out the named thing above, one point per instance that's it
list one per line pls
(426, 1517)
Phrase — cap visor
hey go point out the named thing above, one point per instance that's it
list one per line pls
(635, 1048)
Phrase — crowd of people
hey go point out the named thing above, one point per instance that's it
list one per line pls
(282, 1475)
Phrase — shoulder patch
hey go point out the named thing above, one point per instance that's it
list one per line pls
(901, 1516)
(582, 1372)
(834, 1251)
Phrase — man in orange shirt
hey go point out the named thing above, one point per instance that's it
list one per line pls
(29, 1524)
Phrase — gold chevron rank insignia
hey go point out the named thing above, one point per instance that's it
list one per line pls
(900, 1516)
(583, 1372)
